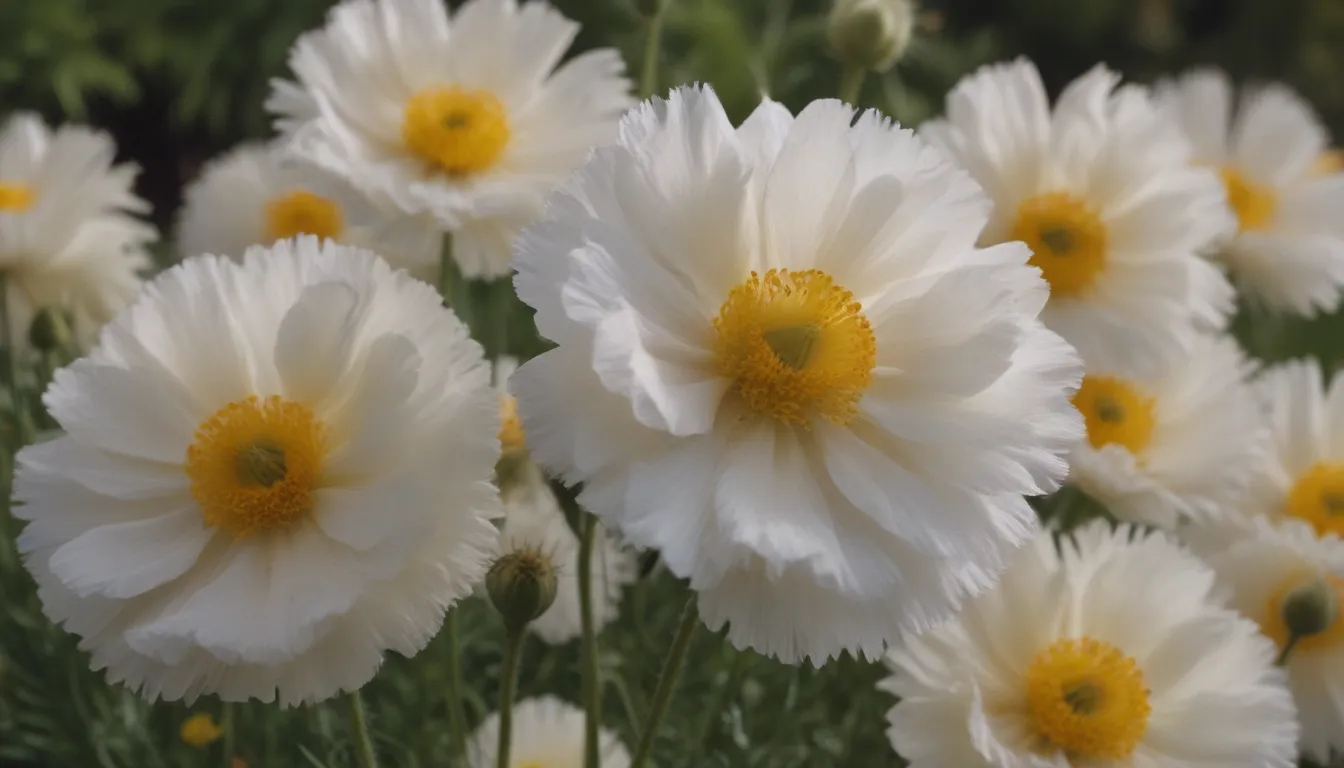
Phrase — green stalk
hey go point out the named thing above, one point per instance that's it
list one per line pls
(592, 681)
(365, 756)
(226, 725)
(448, 276)
(507, 684)
(653, 40)
(667, 682)
(851, 84)
(457, 718)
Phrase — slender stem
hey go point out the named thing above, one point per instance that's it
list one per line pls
(1282, 660)
(851, 83)
(508, 681)
(11, 364)
(359, 727)
(667, 682)
(501, 307)
(592, 681)
(226, 725)
(457, 718)
(653, 40)
(447, 268)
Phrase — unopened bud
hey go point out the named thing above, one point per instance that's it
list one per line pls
(50, 330)
(870, 34)
(1310, 609)
(521, 585)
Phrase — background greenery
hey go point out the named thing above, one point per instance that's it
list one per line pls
(177, 81)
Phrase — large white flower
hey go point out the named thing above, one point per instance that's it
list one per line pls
(1284, 187)
(1103, 191)
(1274, 571)
(250, 197)
(547, 733)
(533, 520)
(1180, 444)
(68, 239)
(1109, 652)
(273, 471)
(466, 119)
(784, 364)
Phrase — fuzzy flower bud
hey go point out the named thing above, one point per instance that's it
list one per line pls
(50, 331)
(521, 585)
(1310, 609)
(870, 34)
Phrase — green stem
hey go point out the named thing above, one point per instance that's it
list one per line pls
(448, 276)
(457, 718)
(507, 683)
(21, 422)
(653, 40)
(359, 727)
(592, 681)
(851, 83)
(501, 307)
(667, 682)
(226, 725)
(1282, 660)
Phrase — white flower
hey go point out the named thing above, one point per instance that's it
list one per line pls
(466, 119)
(68, 239)
(784, 364)
(533, 519)
(1180, 444)
(1283, 185)
(547, 733)
(249, 197)
(1111, 652)
(1103, 191)
(1274, 571)
(273, 471)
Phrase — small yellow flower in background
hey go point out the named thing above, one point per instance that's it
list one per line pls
(200, 730)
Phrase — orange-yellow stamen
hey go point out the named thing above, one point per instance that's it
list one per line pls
(457, 130)
(1067, 239)
(15, 196)
(1088, 698)
(1254, 203)
(1116, 412)
(303, 213)
(1318, 498)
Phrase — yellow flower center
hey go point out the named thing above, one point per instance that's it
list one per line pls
(1067, 240)
(1115, 412)
(796, 345)
(1254, 204)
(199, 730)
(303, 213)
(1329, 162)
(460, 131)
(1088, 698)
(511, 426)
(1318, 498)
(1275, 625)
(255, 463)
(15, 196)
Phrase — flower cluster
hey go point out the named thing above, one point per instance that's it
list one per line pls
(961, 401)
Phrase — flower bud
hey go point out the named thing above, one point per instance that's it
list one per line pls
(870, 34)
(521, 585)
(649, 8)
(50, 330)
(1310, 609)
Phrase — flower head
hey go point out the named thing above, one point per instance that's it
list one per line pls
(200, 730)
(1111, 651)
(1283, 186)
(466, 119)
(784, 364)
(68, 236)
(547, 733)
(272, 472)
(250, 197)
(1102, 189)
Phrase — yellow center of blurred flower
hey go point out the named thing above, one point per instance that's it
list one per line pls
(1115, 412)
(1318, 498)
(1331, 161)
(458, 130)
(796, 345)
(15, 196)
(1275, 626)
(511, 426)
(1088, 698)
(200, 730)
(1067, 240)
(1254, 204)
(255, 463)
(303, 213)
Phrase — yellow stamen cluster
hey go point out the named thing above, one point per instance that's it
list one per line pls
(15, 196)
(1116, 413)
(1255, 204)
(255, 464)
(1088, 698)
(200, 730)
(511, 436)
(1067, 239)
(303, 213)
(796, 346)
(456, 130)
(1318, 498)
